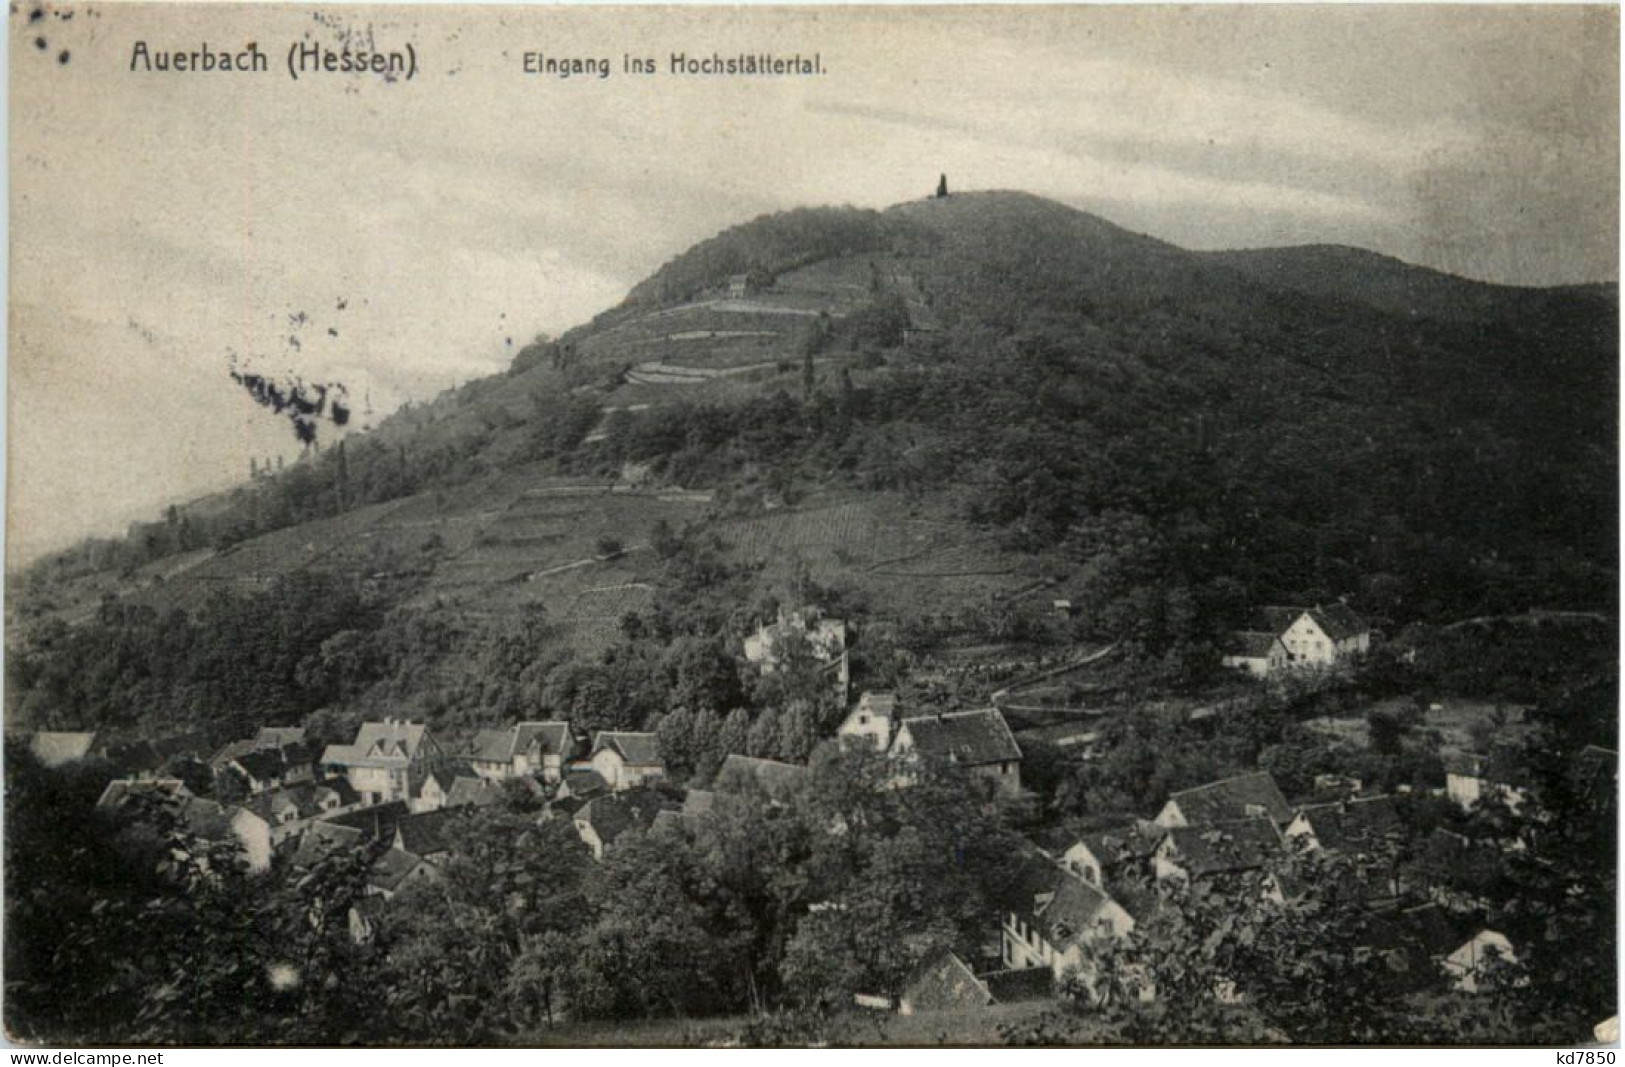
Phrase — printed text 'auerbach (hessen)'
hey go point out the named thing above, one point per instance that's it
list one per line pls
(303, 57)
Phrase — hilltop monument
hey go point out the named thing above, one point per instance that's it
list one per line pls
(942, 187)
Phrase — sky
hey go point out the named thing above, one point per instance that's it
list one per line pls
(164, 225)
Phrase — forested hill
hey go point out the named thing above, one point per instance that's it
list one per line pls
(923, 412)
(1347, 274)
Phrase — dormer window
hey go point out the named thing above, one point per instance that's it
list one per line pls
(1253, 809)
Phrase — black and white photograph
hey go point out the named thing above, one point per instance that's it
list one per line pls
(811, 526)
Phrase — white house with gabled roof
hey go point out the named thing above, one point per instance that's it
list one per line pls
(870, 723)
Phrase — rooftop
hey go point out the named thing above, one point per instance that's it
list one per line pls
(969, 738)
(641, 749)
(1233, 798)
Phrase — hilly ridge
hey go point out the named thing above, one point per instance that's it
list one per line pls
(1021, 399)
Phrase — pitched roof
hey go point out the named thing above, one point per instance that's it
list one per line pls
(1249, 644)
(54, 749)
(120, 790)
(202, 816)
(1338, 621)
(878, 703)
(1416, 941)
(305, 798)
(1230, 799)
(492, 746)
(1466, 764)
(280, 735)
(1221, 848)
(943, 980)
(1353, 825)
(480, 792)
(640, 749)
(231, 751)
(390, 743)
(391, 868)
(1120, 844)
(321, 839)
(427, 833)
(1063, 907)
(739, 774)
(613, 815)
(263, 764)
(969, 738)
(1072, 913)
(583, 782)
(502, 745)
(553, 737)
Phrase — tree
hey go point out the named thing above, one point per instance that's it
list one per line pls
(453, 941)
(1387, 733)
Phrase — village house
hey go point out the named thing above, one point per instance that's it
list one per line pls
(979, 741)
(395, 870)
(388, 761)
(943, 982)
(230, 751)
(117, 793)
(376, 822)
(1471, 778)
(285, 812)
(254, 834)
(870, 723)
(320, 839)
(265, 768)
(1244, 796)
(1095, 855)
(625, 760)
(580, 782)
(697, 804)
(1356, 827)
(824, 639)
(1192, 852)
(747, 776)
(199, 815)
(1258, 653)
(481, 792)
(1319, 636)
(429, 835)
(1413, 941)
(266, 737)
(1470, 965)
(524, 749)
(279, 736)
(435, 793)
(1056, 918)
(601, 820)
